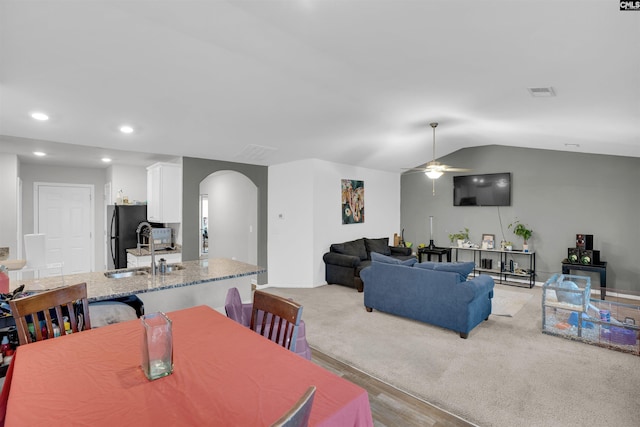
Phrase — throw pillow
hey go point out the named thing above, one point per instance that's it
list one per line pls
(376, 257)
(462, 268)
(380, 245)
(354, 248)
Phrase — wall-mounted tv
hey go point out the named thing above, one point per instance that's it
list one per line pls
(482, 190)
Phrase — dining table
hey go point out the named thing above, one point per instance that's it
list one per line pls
(224, 374)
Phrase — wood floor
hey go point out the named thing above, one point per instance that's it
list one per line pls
(390, 407)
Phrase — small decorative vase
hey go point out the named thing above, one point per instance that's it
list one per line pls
(460, 243)
(157, 345)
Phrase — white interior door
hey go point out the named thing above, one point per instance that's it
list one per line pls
(64, 213)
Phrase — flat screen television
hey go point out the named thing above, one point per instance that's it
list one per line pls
(482, 190)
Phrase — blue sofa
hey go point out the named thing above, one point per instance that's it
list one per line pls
(429, 293)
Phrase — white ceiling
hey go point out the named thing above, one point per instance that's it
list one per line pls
(348, 81)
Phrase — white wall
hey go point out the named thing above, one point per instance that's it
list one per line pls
(233, 216)
(132, 180)
(305, 216)
(9, 203)
(291, 215)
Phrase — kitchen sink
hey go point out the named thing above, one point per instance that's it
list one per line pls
(173, 267)
(120, 274)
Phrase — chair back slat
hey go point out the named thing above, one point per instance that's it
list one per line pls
(43, 303)
(276, 318)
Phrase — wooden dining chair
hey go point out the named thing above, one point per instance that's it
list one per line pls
(41, 304)
(298, 415)
(276, 318)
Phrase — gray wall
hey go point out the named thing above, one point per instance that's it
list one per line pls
(558, 194)
(194, 171)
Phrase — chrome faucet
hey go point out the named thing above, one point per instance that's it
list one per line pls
(151, 244)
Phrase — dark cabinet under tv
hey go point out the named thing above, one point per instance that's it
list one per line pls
(503, 265)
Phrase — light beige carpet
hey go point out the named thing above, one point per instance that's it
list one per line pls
(508, 303)
(507, 373)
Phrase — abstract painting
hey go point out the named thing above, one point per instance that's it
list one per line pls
(352, 201)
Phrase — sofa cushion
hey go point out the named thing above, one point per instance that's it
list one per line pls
(380, 245)
(354, 248)
(462, 268)
(376, 257)
(427, 265)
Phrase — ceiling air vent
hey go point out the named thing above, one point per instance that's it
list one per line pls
(541, 91)
(255, 153)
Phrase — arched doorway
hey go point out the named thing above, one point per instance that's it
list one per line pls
(232, 216)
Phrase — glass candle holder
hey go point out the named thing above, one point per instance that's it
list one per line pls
(157, 345)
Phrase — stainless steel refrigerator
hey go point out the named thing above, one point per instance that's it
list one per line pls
(123, 220)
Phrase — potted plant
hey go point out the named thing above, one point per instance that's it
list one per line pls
(522, 230)
(461, 236)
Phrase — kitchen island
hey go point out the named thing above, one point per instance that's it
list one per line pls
(199, 282)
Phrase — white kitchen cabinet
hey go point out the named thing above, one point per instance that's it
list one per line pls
(164, 193)
(134, 261)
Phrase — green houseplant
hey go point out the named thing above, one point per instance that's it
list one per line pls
(460, 235)
(521, 230)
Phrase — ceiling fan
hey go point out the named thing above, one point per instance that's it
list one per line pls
(434, 169)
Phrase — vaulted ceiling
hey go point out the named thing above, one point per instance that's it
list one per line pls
(348, 81)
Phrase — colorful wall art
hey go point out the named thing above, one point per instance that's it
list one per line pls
(352, 201)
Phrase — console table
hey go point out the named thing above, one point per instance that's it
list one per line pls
(503, 271)
(598, 268)
(434, 251)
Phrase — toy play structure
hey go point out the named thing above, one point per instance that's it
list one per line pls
(568, 311)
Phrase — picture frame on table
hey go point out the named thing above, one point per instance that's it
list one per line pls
(488, 241)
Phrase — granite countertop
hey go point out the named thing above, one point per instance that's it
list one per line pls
(99, 287)
(145, 251)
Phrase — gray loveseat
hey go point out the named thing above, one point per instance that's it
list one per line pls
(344, 261)
(429, 293)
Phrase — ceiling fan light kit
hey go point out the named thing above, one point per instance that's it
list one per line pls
(433, 174)
(434, 170)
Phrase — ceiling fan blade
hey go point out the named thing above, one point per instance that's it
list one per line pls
(412, 171)
(450, 169)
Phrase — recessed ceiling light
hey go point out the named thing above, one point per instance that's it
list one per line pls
(126, 129)
(40, 153)
(106, 160)
(39, 116)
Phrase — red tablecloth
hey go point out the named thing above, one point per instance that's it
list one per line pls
(224, 375)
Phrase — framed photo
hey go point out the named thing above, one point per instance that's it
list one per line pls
(488, 241)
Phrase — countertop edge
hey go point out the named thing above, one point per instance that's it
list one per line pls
(101, 288)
